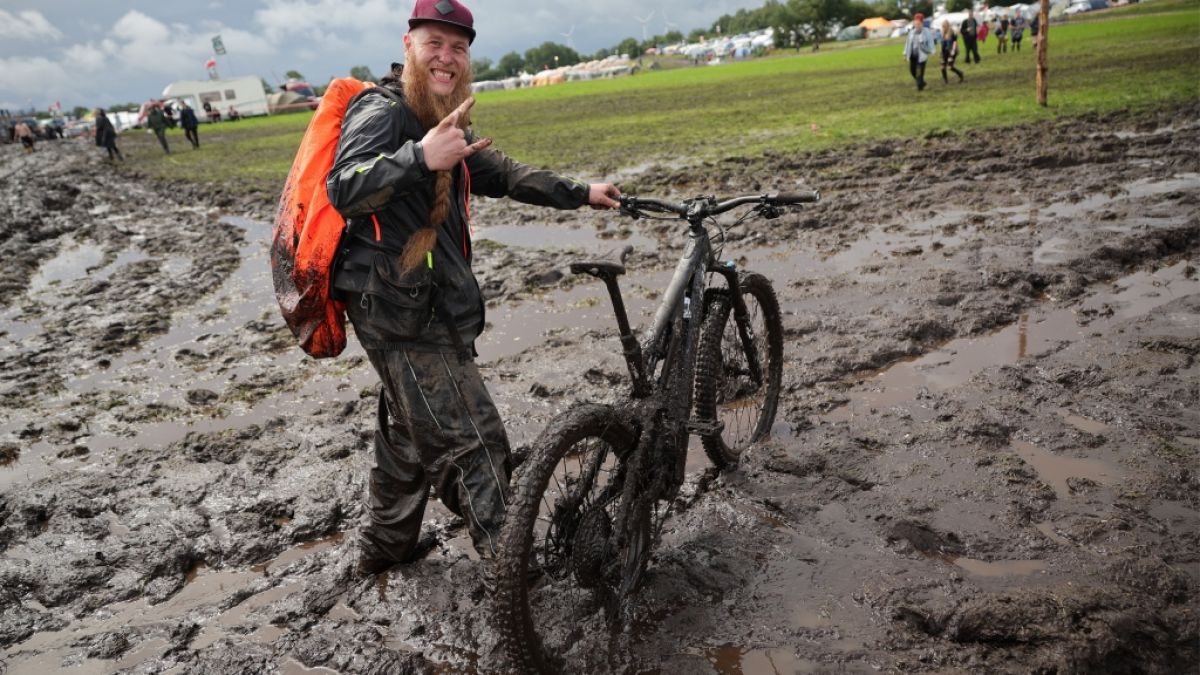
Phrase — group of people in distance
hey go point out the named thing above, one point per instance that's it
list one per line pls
(156, 120)
(922, 43)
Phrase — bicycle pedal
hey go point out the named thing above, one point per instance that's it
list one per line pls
(701, 427)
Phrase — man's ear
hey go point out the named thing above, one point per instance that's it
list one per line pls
(407, 41)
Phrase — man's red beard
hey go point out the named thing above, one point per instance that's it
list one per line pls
(429, 107)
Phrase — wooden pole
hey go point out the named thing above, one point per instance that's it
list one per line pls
(1043, 31)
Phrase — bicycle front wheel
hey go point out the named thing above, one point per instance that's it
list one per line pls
(739, 370)
(556, 571)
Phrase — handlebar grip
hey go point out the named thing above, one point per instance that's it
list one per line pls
(782, 198)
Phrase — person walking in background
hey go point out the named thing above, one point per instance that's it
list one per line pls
(970, 34)
(1018, 31)
(983, 31)
(187, 120)
(25, 134)
(917, 49)
(949, 52)
(1002, 35)
(158, 123)
(106, 135)
(1033, 28)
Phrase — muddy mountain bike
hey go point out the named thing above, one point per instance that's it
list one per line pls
(590, 500)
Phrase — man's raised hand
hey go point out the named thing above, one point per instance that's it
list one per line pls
(446, 144)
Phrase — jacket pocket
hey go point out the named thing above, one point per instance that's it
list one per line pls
(399, 306)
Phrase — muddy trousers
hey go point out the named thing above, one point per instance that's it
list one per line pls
(114, 151)
(438, 428)
(917, 67)
(193, 136)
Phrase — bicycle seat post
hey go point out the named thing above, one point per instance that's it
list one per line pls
(629, 343)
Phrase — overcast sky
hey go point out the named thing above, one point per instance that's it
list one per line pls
(94, 53)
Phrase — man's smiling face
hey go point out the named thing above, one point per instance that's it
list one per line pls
(441, 52)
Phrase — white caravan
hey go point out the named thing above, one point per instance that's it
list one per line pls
(244, 94)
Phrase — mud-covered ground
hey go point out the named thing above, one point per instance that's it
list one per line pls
(985, 460)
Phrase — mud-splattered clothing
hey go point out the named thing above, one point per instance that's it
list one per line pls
(437, 428)
(443, 430)
(380, 183)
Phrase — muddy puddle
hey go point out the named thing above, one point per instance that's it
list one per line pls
(580, 239)
(731, 660)
(988, 424)
(1037, 331)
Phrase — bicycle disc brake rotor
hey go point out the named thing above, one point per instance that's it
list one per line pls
(591, 547)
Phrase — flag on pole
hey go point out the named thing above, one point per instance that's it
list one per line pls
(210, 64)
(218, 45)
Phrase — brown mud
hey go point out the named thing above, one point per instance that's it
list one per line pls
(985, 458)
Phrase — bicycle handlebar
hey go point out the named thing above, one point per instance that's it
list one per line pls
(703, 207)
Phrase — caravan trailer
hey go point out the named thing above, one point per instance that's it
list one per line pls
(243, 94)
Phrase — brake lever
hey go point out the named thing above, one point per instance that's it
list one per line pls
(770, 211)
(632, 213)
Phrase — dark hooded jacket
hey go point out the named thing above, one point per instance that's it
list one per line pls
(380, 183)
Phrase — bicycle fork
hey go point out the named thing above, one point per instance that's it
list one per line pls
(741, 315)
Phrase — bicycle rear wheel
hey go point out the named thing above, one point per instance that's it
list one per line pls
(556, 570)
(728, 390)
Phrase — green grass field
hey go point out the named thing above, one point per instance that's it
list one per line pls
(1138, 57)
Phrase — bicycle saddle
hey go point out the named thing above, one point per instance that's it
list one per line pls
(602, 268)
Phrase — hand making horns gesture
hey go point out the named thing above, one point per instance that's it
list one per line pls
(446, 144)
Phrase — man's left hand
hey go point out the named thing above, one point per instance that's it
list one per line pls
(603, 196)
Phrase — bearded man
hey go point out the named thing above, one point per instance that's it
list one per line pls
(406, 165)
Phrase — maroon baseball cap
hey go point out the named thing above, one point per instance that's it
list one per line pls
(444, 11)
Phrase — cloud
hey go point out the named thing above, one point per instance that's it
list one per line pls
(27, 25)
(112, 52)
(22, 75)
(322, 19)
(89, 57)
(140, 43)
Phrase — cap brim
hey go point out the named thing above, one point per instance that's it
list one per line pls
(413, 23)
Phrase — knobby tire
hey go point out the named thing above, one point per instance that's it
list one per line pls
(522, 563)
(724, 389)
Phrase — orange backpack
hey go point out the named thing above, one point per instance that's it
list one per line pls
(308, 230)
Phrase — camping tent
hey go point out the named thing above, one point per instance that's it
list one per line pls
(874, 23)
(851, 33)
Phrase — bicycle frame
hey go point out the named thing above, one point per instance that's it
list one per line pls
(686, 287)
